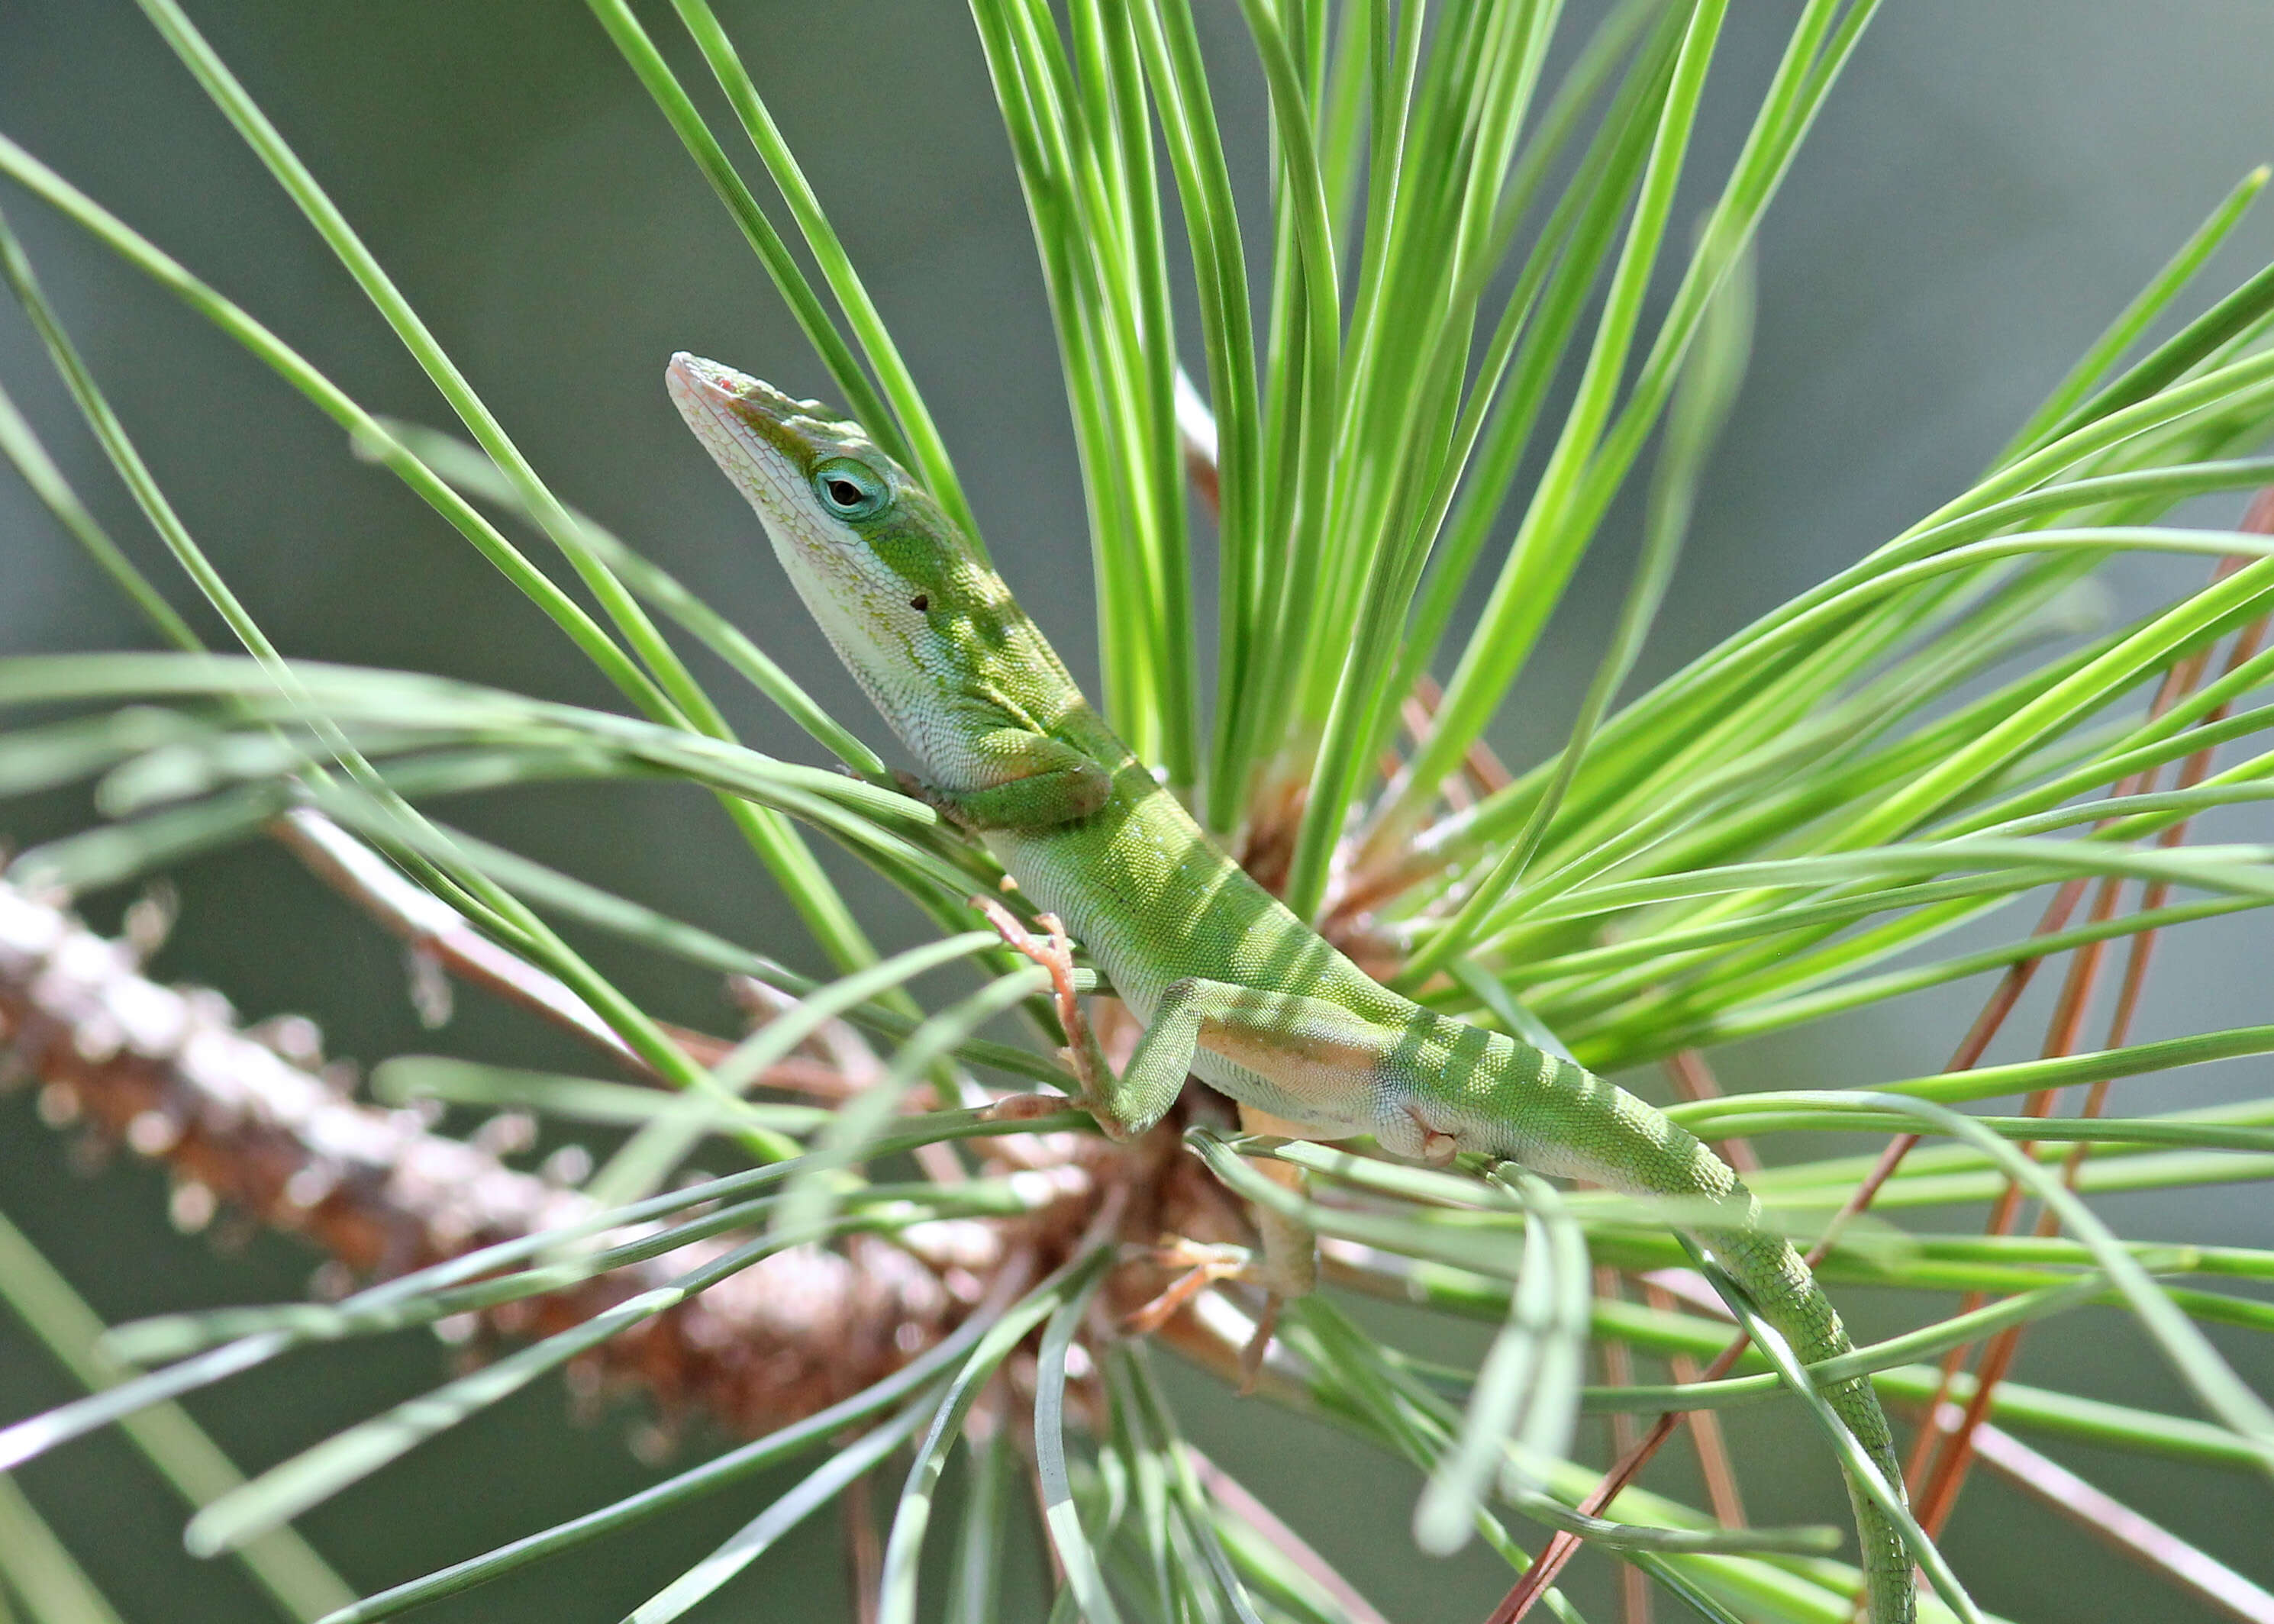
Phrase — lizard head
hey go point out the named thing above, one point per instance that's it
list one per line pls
(890, 579)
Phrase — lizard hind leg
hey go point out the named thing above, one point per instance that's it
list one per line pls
(1288, 1265)
(1290, 1251)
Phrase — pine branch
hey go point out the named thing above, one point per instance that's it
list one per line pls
(248, 1118)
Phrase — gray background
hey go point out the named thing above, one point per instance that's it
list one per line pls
(1988, 187)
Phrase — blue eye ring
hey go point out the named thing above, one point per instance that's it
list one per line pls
(850, 489)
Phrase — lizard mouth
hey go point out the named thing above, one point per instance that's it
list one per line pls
(695, 380)
(751, 428)
(728, 409)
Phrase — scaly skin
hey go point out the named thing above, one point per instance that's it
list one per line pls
(1228, 983)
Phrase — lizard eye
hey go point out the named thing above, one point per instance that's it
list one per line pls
(850, 489)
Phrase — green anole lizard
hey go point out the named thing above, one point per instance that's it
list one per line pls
(1228, 983)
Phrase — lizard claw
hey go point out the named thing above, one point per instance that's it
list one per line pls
(1251, 1358)
(1051, 949)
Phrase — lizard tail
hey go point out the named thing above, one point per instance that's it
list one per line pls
(1787, 1296)
(1568, 1120)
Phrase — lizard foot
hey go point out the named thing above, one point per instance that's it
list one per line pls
(1052, 949)
(1203, 1265)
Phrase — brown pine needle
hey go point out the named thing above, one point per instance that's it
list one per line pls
(1939, 1493)
(2109, 1519)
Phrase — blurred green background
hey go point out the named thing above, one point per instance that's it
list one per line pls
(1989, 186)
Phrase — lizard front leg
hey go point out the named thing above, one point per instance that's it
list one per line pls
(1013, 777)
(1051, 949)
